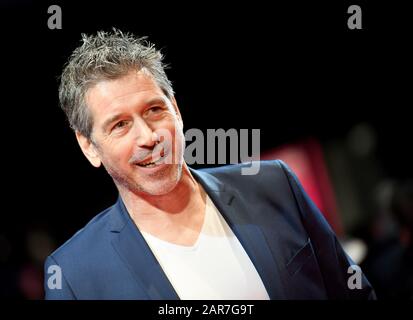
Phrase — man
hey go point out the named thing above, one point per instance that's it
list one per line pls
(178, 233)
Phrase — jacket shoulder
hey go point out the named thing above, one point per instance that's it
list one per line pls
(263, 168)
(267, 176)
(84, 240)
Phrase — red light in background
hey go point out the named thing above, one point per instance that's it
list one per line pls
(306, 159)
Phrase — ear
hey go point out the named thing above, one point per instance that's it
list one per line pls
(88, 149)
(176, 109)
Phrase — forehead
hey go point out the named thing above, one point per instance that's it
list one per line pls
(109, 95)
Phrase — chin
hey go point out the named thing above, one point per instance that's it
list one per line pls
(162, 186)
(160, 191)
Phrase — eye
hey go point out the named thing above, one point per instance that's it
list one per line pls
(155, 109)
(121, 124)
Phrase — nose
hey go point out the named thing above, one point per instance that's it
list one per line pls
(145, 135)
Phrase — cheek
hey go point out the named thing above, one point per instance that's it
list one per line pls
(170, 130)
(177, 135)
(179, 144)
(120, 153)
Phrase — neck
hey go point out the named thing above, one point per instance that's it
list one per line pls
(176, 217)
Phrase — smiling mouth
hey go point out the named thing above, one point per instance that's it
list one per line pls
(151, 163)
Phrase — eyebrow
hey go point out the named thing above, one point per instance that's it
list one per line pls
(155, 101)
(111, 120)
(120, 115)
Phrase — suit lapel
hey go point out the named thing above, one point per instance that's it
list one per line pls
(234, 210)
(136, 254)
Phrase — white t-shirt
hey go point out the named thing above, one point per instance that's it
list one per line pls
(215, 267)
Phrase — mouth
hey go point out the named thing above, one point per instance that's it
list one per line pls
(150, 163)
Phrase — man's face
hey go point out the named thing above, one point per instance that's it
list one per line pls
(129, 115)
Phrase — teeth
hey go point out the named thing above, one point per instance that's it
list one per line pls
(152, 163)
(149, 164)
(146, 164)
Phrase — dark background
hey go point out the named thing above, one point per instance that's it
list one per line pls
(292, 70)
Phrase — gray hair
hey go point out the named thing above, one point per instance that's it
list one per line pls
(105, 56)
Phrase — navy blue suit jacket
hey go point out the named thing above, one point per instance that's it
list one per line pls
(288, 240)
